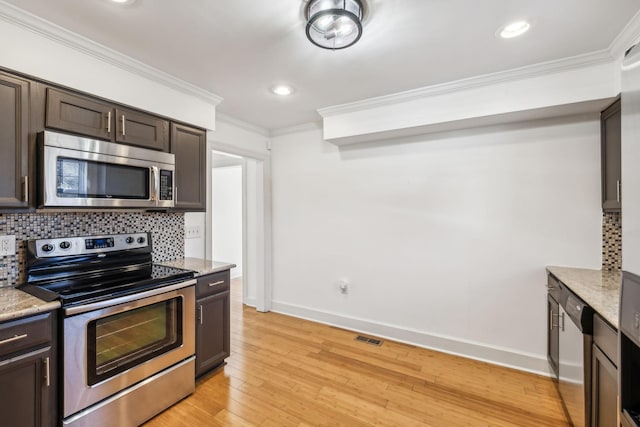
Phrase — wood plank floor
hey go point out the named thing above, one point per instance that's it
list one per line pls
(285, 371)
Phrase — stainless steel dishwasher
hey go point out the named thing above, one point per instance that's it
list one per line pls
(574, 367)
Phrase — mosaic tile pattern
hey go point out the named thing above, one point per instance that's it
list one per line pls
(611, 241)
(167, 233)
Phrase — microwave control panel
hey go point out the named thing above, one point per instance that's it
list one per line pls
(166, 184)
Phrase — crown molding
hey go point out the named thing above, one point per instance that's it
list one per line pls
(536, 70)
(60, 35)
(221, 117)
(297, 129)
(629, 36)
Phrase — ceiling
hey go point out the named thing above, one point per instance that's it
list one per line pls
(238, 49)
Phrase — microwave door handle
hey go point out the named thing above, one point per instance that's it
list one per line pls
(156, 184)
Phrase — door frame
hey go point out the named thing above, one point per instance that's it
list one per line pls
(259, 259)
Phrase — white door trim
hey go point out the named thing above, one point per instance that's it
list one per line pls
(262, 259)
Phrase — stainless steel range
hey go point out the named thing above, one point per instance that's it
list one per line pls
(128, 332)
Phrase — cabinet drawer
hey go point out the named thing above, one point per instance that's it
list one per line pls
(23, 334)
(214, 283)
(605, 337)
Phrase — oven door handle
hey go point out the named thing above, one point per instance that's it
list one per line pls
(70, 311)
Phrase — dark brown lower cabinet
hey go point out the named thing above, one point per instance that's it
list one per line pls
(604, 374)
(604, 384)
(213, 319)
(28, 372)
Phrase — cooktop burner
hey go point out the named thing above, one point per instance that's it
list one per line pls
(83, 270)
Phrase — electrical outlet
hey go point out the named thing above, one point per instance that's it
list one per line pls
(192, 232)
(7, 245)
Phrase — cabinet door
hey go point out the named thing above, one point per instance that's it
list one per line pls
(24, 387)
(553, 334)
(604, 390)
(144, 130)
(79, 114)
(212, 331)
(14, 141)
(611, 138)
(189, 146)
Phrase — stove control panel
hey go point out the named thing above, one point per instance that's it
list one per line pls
(65, 246)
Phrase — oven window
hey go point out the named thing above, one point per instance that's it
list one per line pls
(121, 341)
(83, 178)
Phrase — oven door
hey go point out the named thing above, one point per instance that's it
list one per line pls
(109, 349)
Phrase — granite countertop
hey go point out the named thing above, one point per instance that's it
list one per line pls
(199, 265)
(598, 288)
(15, 304)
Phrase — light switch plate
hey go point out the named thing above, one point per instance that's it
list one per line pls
(7, 245)
(192, 232)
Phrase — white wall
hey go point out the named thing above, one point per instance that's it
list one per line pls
(227, 216)
(444, 238)
(195, 247)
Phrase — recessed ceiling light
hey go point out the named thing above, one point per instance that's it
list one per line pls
(514, 29)
(123, 1)
(282, 90)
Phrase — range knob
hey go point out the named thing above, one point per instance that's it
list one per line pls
(141, 240)
(47, 247)
(129, 240)
(65, 245)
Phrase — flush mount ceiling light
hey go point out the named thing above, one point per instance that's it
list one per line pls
(122, 1)
(514, 29)
(282, 90)
(334, 24)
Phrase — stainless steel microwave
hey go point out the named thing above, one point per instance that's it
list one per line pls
(87, 173)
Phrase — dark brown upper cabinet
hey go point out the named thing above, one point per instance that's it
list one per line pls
(14, 141)
(189, 146)
(611, 137)
(144, 130)
(99, 119)
(79, 114)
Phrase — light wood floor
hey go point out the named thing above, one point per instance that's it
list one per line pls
(285, 371)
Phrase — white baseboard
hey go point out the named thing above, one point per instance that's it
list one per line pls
(250, 302)
(491, 354)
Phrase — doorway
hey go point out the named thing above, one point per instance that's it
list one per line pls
(238, 219)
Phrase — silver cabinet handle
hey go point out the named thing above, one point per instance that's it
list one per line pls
(25, 189)
(175, 194)
(201, 313)
(562, 317)
(551, 324)
(123, 130)
(219, 282)
(618, 191)
(13, 338)
(47, 371)
(109, 122)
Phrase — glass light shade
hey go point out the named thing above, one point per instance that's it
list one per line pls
(334, 24)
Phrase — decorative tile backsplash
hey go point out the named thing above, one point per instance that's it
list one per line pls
(167, 233)
(611, 241)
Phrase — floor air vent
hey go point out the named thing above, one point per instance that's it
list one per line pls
(368, 340)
